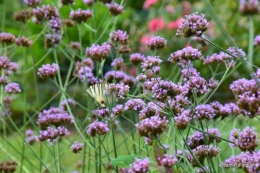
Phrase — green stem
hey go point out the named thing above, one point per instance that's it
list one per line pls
(250, 44)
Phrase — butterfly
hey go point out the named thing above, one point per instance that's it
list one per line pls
(97, 92)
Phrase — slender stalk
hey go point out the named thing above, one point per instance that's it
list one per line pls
(250, 44)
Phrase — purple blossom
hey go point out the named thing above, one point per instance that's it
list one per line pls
(129, 80)
(157, 42)
(119, 90)
(257, 40)
(52, 40)
(76, 147)
(85, 74)
(168, 160)
(141, 77)
(183, 119)
(48, 71)
(117, 63)
(97, 128)
(88, 2)
(12, 88)
(115, 9)
(51, 134)
(204, 111)
(55, 24)
(46, 12)
(241, 86)
(117, 76)
(67, 102)
(134, 104)
(119, 36)
(32, 3)
(97, 52)
(151, 109)
(219, 58)
(100, 113)
(136, 58)
(80, 15)
(117, 110)
(4, 62)
(22, 41)
(235, 51)
(151, 61)
(152, 126)
(249, 7)
(140, 166)
(193, 25)
(7, 38)
(185, 55)
(75, 45)
(22, 16)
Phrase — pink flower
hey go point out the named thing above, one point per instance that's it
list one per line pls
(149, 3)
(174, 24)
(156, 24)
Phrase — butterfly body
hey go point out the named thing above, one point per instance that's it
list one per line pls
(97, 92)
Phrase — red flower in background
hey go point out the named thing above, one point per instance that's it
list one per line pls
(143, 43)
(174, 24)
(149, 3)
(156, 24)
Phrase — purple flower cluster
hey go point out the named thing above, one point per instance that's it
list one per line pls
(76, 147)
(167, 160)
(152, 126)
(32, 3)
(157, 42)
(140, 166)
(100, 113)
(7, 66)
(257, 40)
(246, 140)
(7, 38)
(52, 40)
(45, 13)
(55, 24)
(151, 109)
(183, 119)
(119, 36)
(12, 88)
(219, 58)
(67, 102)
(80, 16)
(97, 128)
(185, 55)
(51, 134)
(119, 90)
(204, 111)
(134, 105)
(88, 2)
(150, 62)
(22, 41)
(193, 25)
(136, 58)
(235, 51)
(115, 9)
(48, 71)
(23, 15)
(30, 138)
(4, 80)
(141, 77)
(8, 166)
(117, 63)
(249, 7)
(117, 110)
(119, 77)
(97, 52)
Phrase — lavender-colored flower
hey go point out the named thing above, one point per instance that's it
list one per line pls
(141, 77)
(4, 80)
(183, 119)
(97, 128)
(157, 42)
(52, 40)
(257, 40)
(46, 12)
(22, 41)
(151, 61)
(152, 109)
(76, 147)
(185, 55)
(119, 36)
(68, 22)
(212, 84)
(85, 74)
(140, 166)
(12, 88)
(220, 110)
(100, 113)
(75, 45)
(30, 138)
(115, 9)
(136, 58)
(117, 76)
(67, 2)
(152, 126)
(54, 116)
(48, 71)
(249, 7)
(55, 24)
(134, 104)
(23, 16)
(246, 140)
(29, 132)
(167, 161)
(51, 134)
(219, 58)
(117, 63)
(129, 80)
(233, 107)
(204, 111)
(88, 2)
(241, 86)
(67, 102)
(97, 52)
(198, 83)
(119, 90)
(7, 38)
(235, 51)
(4, 62)
(117, 110)
(193, 25)
(80, 16)
(86, 62)
(32, 3)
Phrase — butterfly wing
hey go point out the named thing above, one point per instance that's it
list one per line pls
(97, 92)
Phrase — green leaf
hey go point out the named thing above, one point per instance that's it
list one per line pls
(124, 161)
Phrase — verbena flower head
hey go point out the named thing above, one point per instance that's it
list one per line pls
(67, 2)
(204, 111)
(116, 75)
(46, 12)
(7, 38)
(185, 55)
(119, 36)
(257, 40)
(68, 22)
(55, 24)
(150, 110)
(219, 58)
(150, 127)
(51, 134)
(67, 102)
(118, 63)
(117, 110)
(167, 161)
(4, 80)
(100, 113)
(85, 74)
(97, 128)
(140, 166)
(23, 16)
(76, 147)
(22, 41)
(12, 88)
(246, 140)
(241, 86)
(48, 71)
(249, 7)
(136, 58)
(193, 25)
(134, 104)
(119, 90)
(115, 9)
(151, 61)
(97, 52)
(32, 3)
(141, 77)
(75, 45)
(157, 42)
(52, 40)
(235, 51)
(54, 116)
(4, 62)
(88, 2)
(183, 119)
(80, 16)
